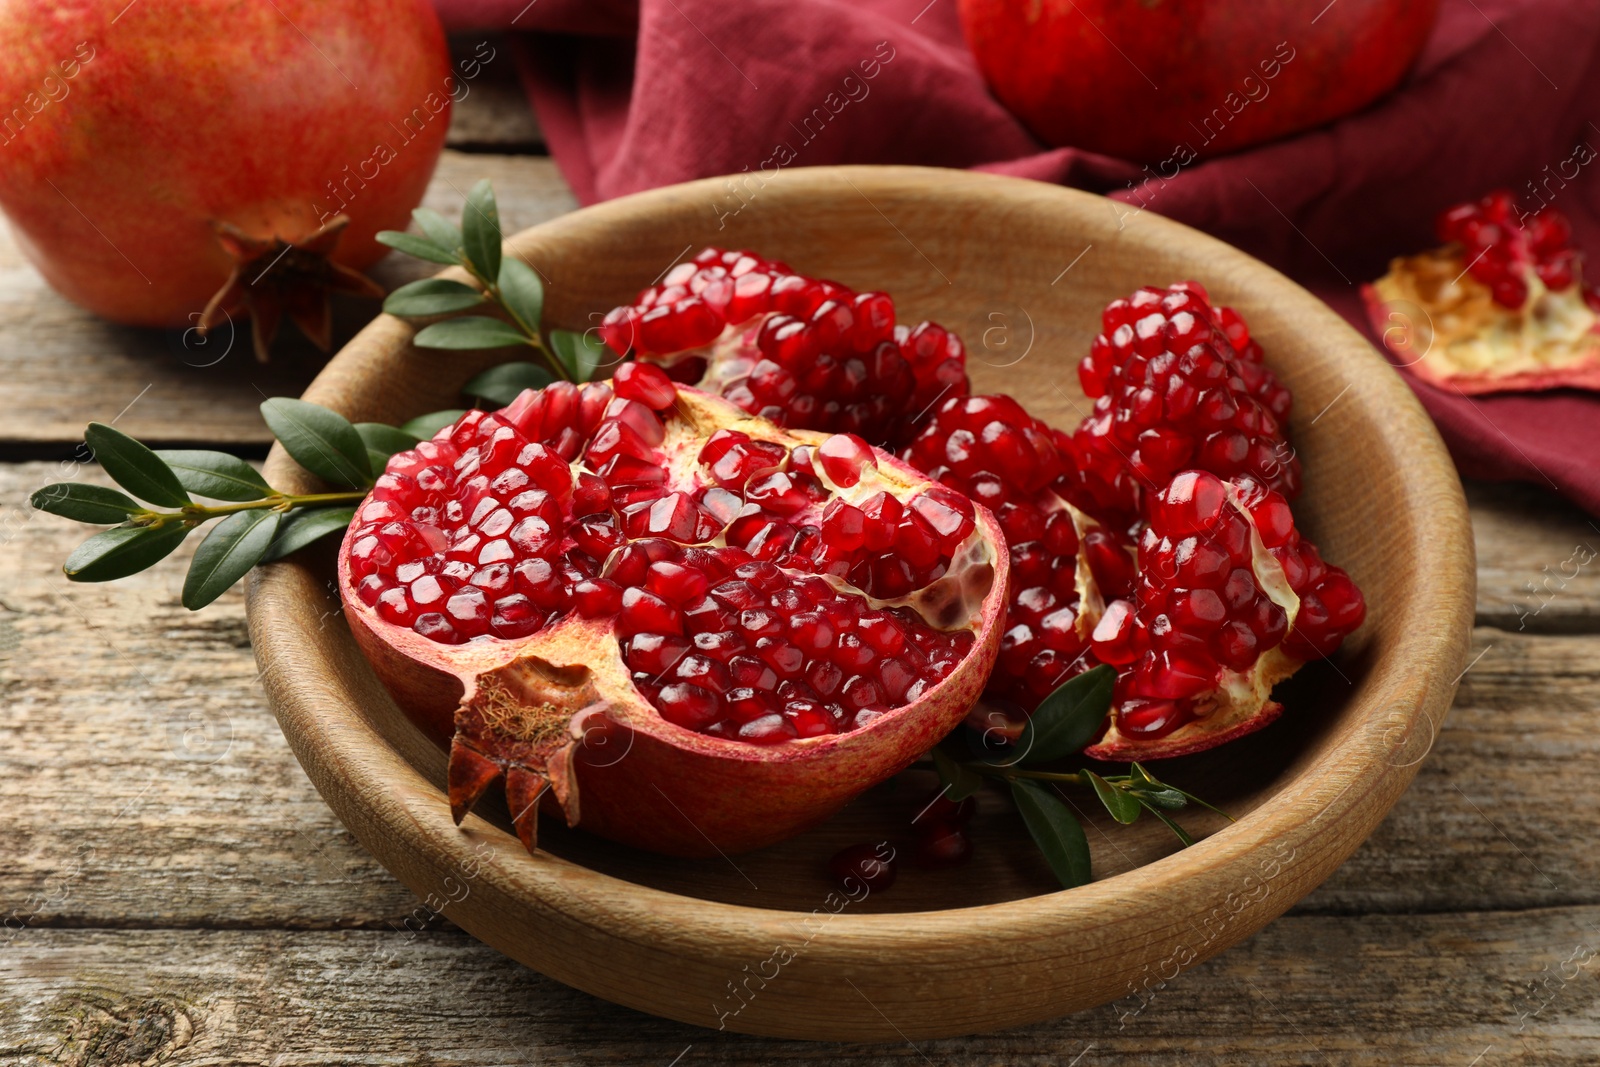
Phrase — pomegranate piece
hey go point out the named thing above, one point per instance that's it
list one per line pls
(1230, 600)
(1502, 307)
(600, 569)
(993, 451)
(1177, 384)
(802, 352)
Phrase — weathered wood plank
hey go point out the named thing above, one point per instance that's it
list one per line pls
(1416, 990)
(1538, 560)
(147, 784)
(493, 114)
(63, 367)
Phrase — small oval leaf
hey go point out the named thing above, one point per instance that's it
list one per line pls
(431, 296)
(480, 230)
(1056, 832)
(1122, 807)
(580, 353)
(1069, 718)
(216, 474)
(420, 247)
(471, 332)
(383, 441)
(522, 291)
(440, 230)
(121, 551)
(321, 441)
(85, 503)
(302, 526)
(134, 467)
(423, 427)
(233, 546)
(503, 384)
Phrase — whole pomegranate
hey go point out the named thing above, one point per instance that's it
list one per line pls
(689, 629)
(156, 151)
(1167, 81)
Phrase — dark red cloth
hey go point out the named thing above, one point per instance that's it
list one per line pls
(633, 95)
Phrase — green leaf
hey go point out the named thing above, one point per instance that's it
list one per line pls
(302, 526)
(1068, 718)
(1123, 808)
(216, 474)
(233, 546)
(134, 467)
(1179, 832)
(522, 291)
(431, 296)
(960, 782)
(1055, 831)
(383, 441)
(424, 427)
(440, 230)
(501, 385)
(420, 247)
(480, 229)
(579, 353)
(85, 503)
(471, 332)
(123, 550)
(1146, 788)
(321, 441)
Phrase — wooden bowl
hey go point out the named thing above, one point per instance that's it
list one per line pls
(760, 943)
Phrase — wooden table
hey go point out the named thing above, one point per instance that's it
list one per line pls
(172, 889)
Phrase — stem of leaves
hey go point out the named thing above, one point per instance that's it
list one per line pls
(1066, 721)
(505, 283)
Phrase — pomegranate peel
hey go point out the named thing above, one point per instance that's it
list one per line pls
(1501, 308)
(589, 712)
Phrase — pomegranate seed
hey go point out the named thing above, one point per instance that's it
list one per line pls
(867, 865)
(941, 846)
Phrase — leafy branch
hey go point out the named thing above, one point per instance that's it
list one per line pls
(1066, 721)
(155, 509)
(504, 283)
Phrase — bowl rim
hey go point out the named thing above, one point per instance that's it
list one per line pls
(1333, 802)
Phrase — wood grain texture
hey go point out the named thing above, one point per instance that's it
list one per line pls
(63, 366)
(1382, 498)
(1423, 991)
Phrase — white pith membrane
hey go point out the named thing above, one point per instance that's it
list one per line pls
(1466, 342)
(1242, 701)
(530, 704)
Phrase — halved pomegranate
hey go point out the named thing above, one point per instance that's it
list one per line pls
(1230, 601)
(1177, 384)
(1501, 308)
(801, 352)
(688, 628)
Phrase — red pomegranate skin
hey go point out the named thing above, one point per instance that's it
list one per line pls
(1168, 81)
(128, 129)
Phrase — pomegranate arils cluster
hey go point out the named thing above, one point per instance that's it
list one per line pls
(1500, 250)
(737, 648)
(1177, 385)
(992, 450)
(802, 352)
(1199, 609)
(716, 564)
